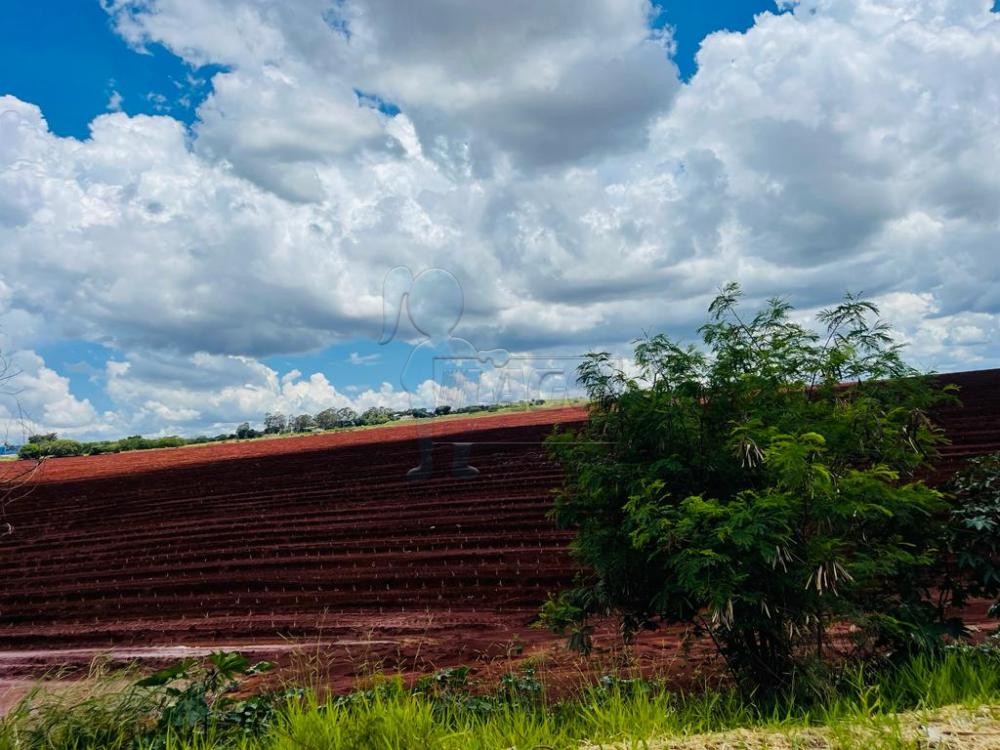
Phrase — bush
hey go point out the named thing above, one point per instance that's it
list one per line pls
(56, 447)
(30, 451)
(51, 448)
(762, 489)
(975, 540)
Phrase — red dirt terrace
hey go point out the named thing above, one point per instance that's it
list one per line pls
(320, 539)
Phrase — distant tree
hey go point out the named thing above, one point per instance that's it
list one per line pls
(376, 415)
(302, 423)
(245, 431)
(346, 417)
(275, 422)
(326, 419)
(442, 410)
(46, 437)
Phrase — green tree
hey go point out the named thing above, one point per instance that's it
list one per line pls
(302, 423)
(346, 417)
(326, 419)
(376, 415)
(275, 422)
(762, 486)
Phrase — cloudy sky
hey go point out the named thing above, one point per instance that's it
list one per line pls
(200, 199)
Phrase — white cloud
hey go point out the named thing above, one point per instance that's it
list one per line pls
(38, 399)
(545, 82)
(545, 154)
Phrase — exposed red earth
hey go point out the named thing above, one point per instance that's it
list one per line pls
(320, 539)
(316, 549)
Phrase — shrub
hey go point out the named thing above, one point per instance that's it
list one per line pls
(51, 448)
(170, 441)
(762, 488)
(30, 451)
(975, 533)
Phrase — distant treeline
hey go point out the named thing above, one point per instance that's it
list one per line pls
(50, 444)
(275, 423)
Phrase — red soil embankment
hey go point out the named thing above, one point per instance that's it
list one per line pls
(320, 539)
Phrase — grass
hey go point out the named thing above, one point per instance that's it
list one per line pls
(942, 697)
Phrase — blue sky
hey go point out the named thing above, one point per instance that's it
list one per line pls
(694, 20)
(164, 274)
(65, 56)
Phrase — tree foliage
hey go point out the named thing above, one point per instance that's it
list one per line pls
(346, 417)
(975, 532)
(763, 487)
(376, 415)
(51, 446)
(301, 423)
(326, 419)
(275, 422)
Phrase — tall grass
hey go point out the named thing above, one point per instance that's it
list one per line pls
(863, 713)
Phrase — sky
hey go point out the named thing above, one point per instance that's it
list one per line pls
(200, 200)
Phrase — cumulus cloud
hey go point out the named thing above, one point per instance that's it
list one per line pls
(544, 82)
(543, 152)
(38, 399)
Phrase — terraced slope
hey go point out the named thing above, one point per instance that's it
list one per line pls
(974, 426)
(318, 536)
(301, 536)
